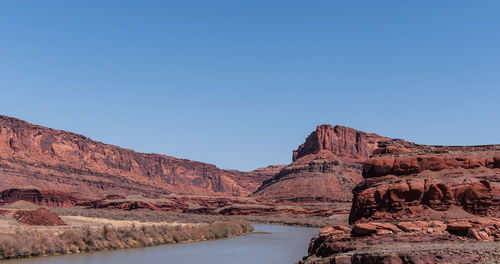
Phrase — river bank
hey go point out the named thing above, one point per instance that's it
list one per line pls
(269, 244)
(77, 233)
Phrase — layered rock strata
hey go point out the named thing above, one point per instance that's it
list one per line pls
(325, 168)
(420, 204)
(216, 205)
(32, 155)
(471, 240)
(429, 181)
(39, 197)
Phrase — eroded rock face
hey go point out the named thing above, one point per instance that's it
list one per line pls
(420, 204)
(325, 168)
(39, 197)
(208, 205)
(217, 205)
(32, 155)
(340, 141)
(408, 242)
(429, 178)
(122, 205)
(398, 166)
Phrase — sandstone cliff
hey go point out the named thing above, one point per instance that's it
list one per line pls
(325, 168)
(420, 204)
(412, 180)
(32, 155)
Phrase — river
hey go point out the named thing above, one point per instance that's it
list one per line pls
(283, 244)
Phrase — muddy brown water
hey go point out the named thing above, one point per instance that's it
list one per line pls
(271, 244)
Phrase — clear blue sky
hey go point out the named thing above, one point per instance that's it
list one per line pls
(241, 83)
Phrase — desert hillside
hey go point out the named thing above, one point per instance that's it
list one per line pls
(32, 155)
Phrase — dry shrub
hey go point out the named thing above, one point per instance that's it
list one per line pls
(34, 242)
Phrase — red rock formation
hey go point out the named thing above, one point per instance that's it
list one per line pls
(426, 179)
(378, 167)
(485, 229)
(39, 217)
(123, 205)
(172, 203)
(32, 155)
(340, 141)
(114, 197)
(406, 242)
(415, 204)
(210, 205)
(39, 197)
(325, 168)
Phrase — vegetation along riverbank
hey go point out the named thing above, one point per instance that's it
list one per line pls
(41, 232)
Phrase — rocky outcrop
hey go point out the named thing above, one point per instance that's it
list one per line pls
(39, 197)
(411, 198)
(216, 205)
(485, 229)
(400, 166)
(325, 168)
(420, 204)
(427, 181)
(37, 217)
(408, 242)
(32, 155)
(210, 205)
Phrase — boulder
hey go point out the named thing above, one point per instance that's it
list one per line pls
(365, 229)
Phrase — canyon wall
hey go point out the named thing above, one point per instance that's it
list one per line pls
(37, 156)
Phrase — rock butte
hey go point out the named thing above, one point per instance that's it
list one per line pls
(32, 155)
(325, 168)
